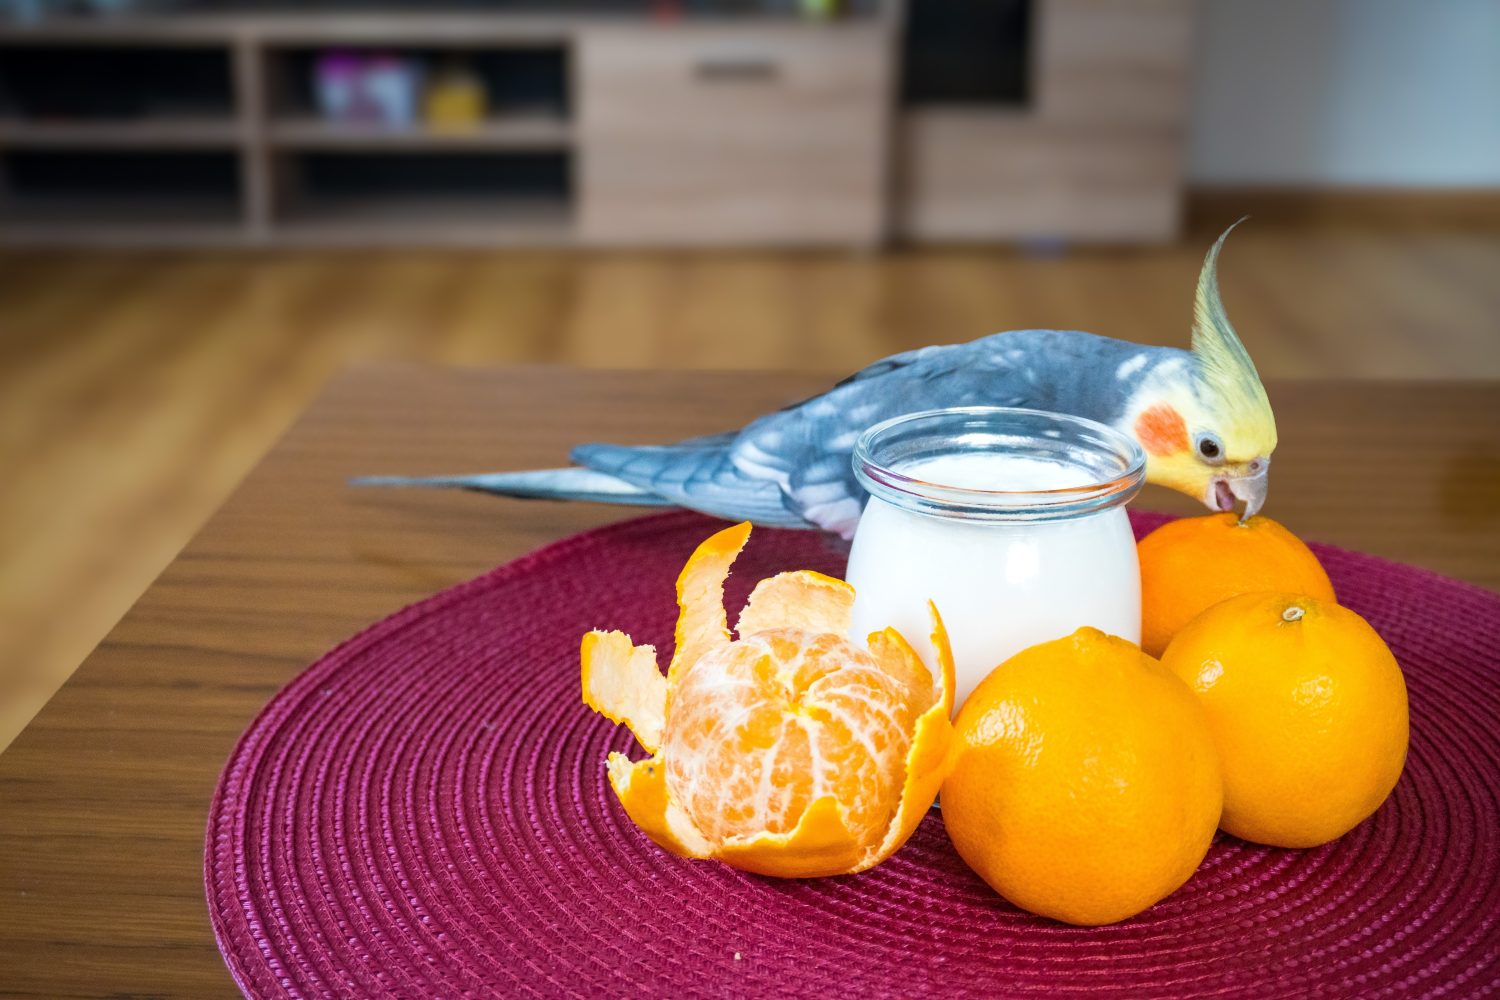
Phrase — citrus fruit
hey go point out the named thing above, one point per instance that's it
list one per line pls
(1308, 709)
(1193, 563)
(1085, 786)
(787, 751)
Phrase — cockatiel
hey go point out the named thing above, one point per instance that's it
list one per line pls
(1201, 416)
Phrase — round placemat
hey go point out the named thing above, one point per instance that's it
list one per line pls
(424, 813)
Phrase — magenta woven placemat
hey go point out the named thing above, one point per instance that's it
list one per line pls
(424, 813)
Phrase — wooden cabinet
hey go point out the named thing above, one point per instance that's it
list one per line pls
(733, 135)
(1096, 154)
(1117, 64)
(973, 176)
(609, 130)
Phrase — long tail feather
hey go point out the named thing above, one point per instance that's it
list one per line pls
(540, 484)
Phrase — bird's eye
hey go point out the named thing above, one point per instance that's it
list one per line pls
(1210, 448)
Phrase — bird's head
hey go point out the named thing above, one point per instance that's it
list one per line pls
(1205, 424)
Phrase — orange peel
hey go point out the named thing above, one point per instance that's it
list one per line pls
(786, 749)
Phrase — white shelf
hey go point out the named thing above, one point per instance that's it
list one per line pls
(355, 27)
(525, 132)
(457, 221)
(289, 164)
(121, 222)
(138, 134)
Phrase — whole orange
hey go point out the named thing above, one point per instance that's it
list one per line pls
(1193, 563)
(1307, 707)
(1085, 785)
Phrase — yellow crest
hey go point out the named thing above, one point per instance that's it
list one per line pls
(1227, 379)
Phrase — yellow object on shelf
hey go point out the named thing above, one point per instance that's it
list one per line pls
(455, 99)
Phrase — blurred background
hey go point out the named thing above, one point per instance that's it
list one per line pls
(207, 208)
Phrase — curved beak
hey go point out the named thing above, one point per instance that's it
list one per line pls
(1250, 486)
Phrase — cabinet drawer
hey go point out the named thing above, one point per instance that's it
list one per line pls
(1115, 63)
(977, 176)
(695, 135)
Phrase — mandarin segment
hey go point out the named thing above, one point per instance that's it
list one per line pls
(762, 728)
(790, 751)
(902, 662)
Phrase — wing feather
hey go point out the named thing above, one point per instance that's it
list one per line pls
(792, 468)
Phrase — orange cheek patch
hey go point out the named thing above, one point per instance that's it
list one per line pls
(1161, 430)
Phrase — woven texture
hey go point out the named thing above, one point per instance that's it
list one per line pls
(424, 813)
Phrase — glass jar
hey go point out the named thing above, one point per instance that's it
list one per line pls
(1011, 521)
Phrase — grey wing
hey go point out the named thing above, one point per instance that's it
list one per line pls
(807, 449)
(696, 474)
(711, 474)
(793, 468)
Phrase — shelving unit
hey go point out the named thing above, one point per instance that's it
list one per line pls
(425, 194)
(417, 202)
(76, 164)
(115, 190)
(1019, 119)
(1075, 135)
(298, 178)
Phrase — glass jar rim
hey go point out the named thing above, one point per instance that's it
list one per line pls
(1040, 434)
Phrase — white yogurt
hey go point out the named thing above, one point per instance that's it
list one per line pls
(1001, 586)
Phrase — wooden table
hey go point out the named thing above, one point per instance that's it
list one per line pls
(103, 797)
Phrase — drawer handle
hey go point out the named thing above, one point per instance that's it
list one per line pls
(745, 69)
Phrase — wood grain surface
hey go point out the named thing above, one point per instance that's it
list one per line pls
(137, 389)
(103, 798)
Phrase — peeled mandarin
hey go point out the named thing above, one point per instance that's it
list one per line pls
(787, 750)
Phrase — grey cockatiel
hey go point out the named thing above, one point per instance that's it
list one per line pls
(1202, 417)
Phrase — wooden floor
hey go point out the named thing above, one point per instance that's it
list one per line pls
(136, 389)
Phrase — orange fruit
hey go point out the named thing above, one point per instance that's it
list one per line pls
(787, 751)
(1308, 709)
(1193, 563)
(1085, 786)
